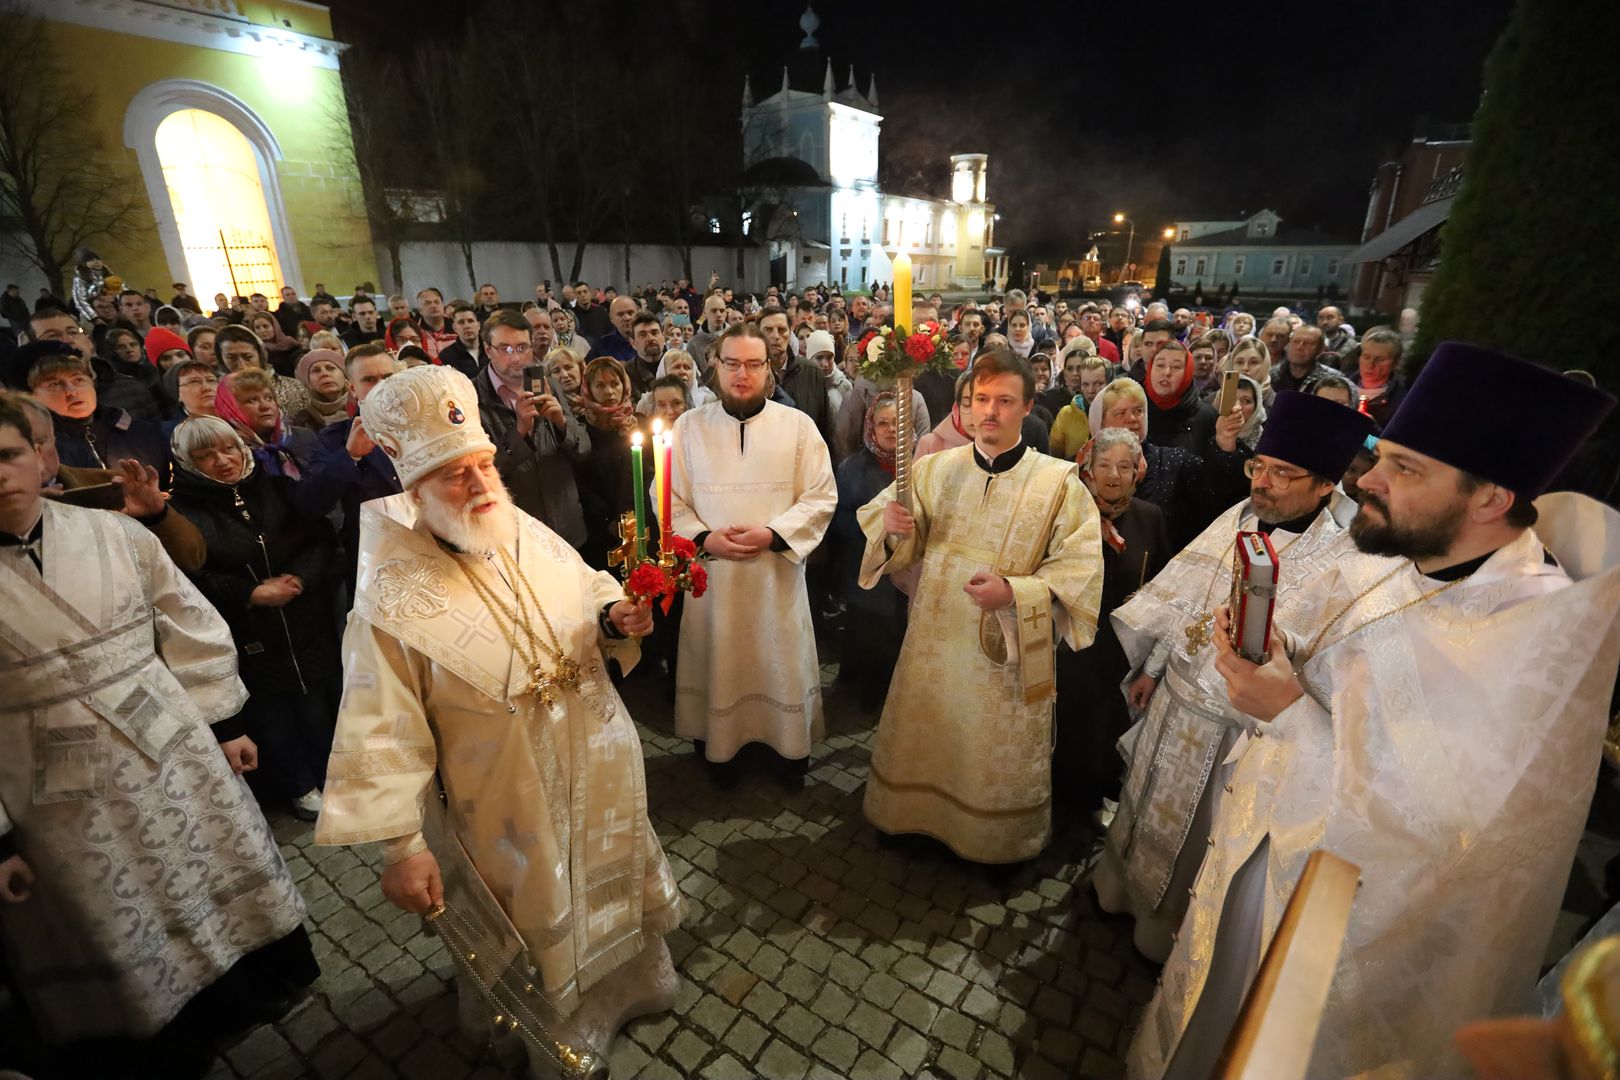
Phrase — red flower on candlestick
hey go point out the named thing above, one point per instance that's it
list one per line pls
(648, 581)
(888, 353)
(683, 548)
(699, 578)
(920, 348)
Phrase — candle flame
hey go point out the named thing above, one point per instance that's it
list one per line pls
(635, 439)
(658, 425)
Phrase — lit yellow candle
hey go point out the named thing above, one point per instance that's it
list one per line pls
(902, 291)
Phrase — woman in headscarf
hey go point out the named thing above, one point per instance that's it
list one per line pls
(400, 333)
(677, 362)
(957, 427)
(282, 350)
(1190, 489)
(1091, 709)
(200, 340)
(270, 571)
(321, 371)
(1020, 337)
(876, 623)
(1251, 357)
(1251, 407)
(603, 477)
(562, 324)
(246, 400)
(239, 348)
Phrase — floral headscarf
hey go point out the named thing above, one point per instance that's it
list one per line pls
(275, 452)
(180, 440)
(884, 457)
(620, 417)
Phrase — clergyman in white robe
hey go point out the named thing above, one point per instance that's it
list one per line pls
(748, 670)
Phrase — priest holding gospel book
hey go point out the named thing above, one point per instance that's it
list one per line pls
(1187, 727)
(1442, 731)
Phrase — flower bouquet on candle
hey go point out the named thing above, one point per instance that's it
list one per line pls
(889, 353)
(675, 568)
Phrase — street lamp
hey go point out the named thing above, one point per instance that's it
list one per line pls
(1121, 219)
(1169, 233)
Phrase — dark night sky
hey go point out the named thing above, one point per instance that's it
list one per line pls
(1191, 110)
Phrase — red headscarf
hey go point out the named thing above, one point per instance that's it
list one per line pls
(1182, 384)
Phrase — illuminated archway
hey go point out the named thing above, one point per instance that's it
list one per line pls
(231, 145)
(217, 197)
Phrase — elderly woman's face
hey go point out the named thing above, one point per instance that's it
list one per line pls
(680, 365)
(224, 461)
(1126, 412)
(885, 429)
(260, 407)
(1113, 474)
(327, 379)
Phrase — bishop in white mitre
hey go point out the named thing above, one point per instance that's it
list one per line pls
(1441, 730)
(752, 485)
(480, 740)
(1156, 841)
(137, 876)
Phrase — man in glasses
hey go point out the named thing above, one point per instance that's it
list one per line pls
(751, 484)
(533, 433)
(1160, 830)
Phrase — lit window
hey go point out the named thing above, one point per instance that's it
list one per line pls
(1262, 228)
(747, 221)
(714, 226)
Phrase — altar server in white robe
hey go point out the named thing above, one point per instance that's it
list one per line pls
(752, 485)
(145, 909)
(1442, 732)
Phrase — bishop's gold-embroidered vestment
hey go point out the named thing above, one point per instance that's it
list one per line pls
(964, 748)
(549, 802)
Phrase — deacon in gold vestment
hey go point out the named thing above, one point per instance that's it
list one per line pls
(475, 665)
(964, 748)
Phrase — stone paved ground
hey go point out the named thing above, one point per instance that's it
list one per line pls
(807, 949)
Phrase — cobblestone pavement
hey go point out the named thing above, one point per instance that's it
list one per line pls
(808, 949)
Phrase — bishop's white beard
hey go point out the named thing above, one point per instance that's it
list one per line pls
(477, 534)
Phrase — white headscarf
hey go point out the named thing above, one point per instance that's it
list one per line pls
(701, 395)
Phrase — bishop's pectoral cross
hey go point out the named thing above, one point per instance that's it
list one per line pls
(1198, 632)
(544, 684)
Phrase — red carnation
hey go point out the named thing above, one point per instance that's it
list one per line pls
(647, 581)
(684, 548)
(920, 348)
(700, 579)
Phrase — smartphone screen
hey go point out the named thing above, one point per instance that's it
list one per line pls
(534, 379)
(680, 320)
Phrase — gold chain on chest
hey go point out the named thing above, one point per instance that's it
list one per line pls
(516, 624)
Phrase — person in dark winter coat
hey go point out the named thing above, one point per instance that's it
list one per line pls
(113, 390)
(89, 435)
(1190, 488)
(875, 624)
(347, 468)
(1177, 416)
(1091, 710)
(270, 571)
(603, 477)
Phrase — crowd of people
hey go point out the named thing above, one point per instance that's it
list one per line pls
(322, 464)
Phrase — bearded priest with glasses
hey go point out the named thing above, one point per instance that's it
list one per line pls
(1187, 727)
(480, 740)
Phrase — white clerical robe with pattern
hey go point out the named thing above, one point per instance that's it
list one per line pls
(748, 670)
(964, 749)
(1157, 839)
(1447, 744)
(156, 871)
(548, 801)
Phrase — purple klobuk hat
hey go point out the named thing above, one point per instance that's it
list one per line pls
(1445, 415)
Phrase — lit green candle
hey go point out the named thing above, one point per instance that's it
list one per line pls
(637, 484)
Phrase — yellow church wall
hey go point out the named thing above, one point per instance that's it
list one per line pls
(301, 105)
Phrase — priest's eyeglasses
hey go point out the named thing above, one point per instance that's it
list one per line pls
(1254, 469)
(753, 367)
